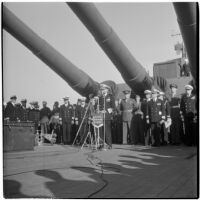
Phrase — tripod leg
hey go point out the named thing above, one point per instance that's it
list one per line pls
(95, 138)
(85, 140)
(81, 124)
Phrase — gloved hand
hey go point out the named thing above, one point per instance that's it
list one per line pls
(182, 118)
(195, 119)
(162, 121)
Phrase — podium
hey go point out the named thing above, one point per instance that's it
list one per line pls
(18, 136)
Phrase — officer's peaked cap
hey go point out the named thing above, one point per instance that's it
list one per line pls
(147, 92)
(66, 98)
(32, 103)
(23, 100)
(161, 93)
(173, 85)
(13, 97)
(104, 86)
(155, 91)
(188, 87)
(126, 91)
(83, 99)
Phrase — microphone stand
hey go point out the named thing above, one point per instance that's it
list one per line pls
(104, 124)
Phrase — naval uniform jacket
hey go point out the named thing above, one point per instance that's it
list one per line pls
(75, 114)
(10, 111)
(155, 111)
(109, 103)
(34, 115)
(188, 106)
(144, 107)
(175, 106)
(167, 108)
(66, 113)
(23, 113)
(81, 112)
(127, 106)
(45, 112)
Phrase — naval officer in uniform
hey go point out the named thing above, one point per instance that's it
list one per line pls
(145, 101)
(66, 113)
(188, 115)
(155, 116)
(10, 110)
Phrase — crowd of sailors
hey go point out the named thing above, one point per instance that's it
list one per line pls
(154, 120)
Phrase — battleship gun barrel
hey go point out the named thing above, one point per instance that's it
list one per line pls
(131, 70)
(75, 77)
(187, 18)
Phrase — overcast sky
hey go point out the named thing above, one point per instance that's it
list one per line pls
(145, 28)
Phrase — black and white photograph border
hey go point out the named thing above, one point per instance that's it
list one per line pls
(100, 100)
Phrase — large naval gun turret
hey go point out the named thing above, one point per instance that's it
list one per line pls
(75, 77)
(187, 17)
(131, 70)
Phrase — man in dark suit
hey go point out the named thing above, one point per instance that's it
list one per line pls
(66, 113)
(75, 121)
(117, 124)
(45, 114)
(34, 114)
(174, 101)
(164, 129)
(188, 115)
(23, 111)
(155, 115)
(81, 112)
(54, 122)
(10, 110)
(126, 107)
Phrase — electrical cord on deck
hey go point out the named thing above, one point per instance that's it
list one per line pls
(102, 167)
